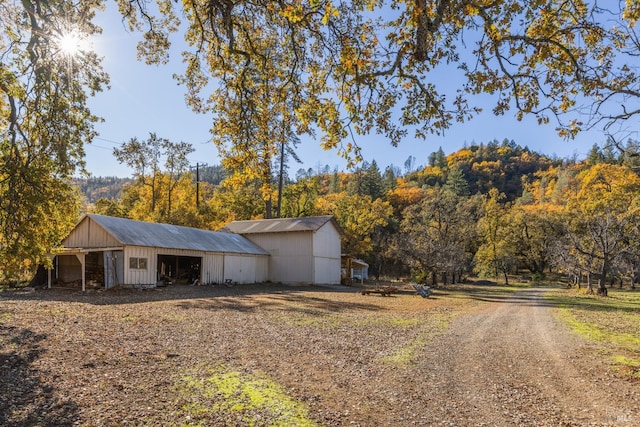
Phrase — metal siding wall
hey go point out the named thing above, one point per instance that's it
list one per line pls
(249, 268)
(327, 271)
(284, 244)
(179, 252)
(326, 251)
(244, 269)
(326, 242)
(291, 258)
(88, 234)
(291, 269)
(262, 268)
(141, 277)
(213, 269)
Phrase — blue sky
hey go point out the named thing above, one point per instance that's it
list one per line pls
(145, 99)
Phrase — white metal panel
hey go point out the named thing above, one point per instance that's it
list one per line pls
(136, 277)
(179, 252)
(89, 234)
(326, 242)
(302, 257)
(327, 271)
(291, 259)
(291, 270)
(327, 250)
(242, 268)
(213, 268)
(262, 269)
(285, 244)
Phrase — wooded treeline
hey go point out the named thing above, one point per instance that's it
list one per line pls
(492, 209)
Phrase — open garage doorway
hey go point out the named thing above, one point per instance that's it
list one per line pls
(99, 269)
(179, 270)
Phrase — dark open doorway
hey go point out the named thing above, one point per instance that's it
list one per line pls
(179, 270)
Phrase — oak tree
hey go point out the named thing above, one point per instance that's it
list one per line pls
(46, 76)
(602, 217)
(352, 68)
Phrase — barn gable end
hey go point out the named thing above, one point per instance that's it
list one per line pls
(90, 234)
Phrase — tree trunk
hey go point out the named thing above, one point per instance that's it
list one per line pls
(169, 200)
(602, 281)
(280, 182)
(267, 208)
(506, 277)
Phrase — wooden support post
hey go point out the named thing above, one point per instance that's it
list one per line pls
(84, 272)
(81, 257)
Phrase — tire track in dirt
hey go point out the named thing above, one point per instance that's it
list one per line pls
(511, 363)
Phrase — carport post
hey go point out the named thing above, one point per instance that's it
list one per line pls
(84, 272)
(81, 257)
(53, 258)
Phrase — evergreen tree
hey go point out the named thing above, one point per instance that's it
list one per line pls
(334, 182)
(456, 182)
(440, 159)
(390, 178)
(595, 156)
(371, 184)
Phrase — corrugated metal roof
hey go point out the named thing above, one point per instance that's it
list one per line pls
(280, 225)
(139, 233)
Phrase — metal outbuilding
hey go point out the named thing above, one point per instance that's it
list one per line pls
(303, 250)
(106, 251)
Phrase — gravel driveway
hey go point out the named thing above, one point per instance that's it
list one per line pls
(510, 363)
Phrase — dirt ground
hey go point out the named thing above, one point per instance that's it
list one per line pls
(478, 356)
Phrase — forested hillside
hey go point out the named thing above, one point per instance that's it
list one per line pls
(110, 187)
(102, 187)
(490, 209)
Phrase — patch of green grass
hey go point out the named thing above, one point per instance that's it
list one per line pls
(627, 361)
(403, 322)
(627, 366)
(219, 393)
(613, 321)
(405, 355)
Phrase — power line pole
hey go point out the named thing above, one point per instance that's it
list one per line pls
(198, 185)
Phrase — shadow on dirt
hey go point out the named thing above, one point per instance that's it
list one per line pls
(528, 299)
(25, 400)
(535, 297)
(237, 297)
(307, 302)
